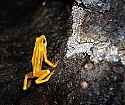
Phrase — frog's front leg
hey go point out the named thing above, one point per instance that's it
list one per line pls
(44, 77)
(49, 62)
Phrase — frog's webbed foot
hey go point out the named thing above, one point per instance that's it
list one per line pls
(27, 83)
(55, 65)
(25, 87)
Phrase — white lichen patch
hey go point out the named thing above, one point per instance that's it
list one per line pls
(96, 42)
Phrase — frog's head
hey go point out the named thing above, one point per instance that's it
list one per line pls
(41, 39)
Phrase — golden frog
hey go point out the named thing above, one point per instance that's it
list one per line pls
(39, 55)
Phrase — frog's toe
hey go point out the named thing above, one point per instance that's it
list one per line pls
(55, 65)
(29, 84)
(37, 81)
(24, 88)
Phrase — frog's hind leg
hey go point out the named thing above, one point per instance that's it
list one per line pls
(27, 82)
(44, 77)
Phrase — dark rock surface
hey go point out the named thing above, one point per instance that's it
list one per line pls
(20, 23)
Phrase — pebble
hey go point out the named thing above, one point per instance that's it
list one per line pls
(83, 84)
(89, 66)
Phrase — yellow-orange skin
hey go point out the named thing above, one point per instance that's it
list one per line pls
(39, 55)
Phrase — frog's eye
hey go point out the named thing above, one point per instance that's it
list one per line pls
(44, 41)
